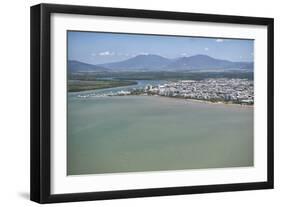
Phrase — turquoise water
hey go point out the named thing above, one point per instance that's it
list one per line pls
(148, 133)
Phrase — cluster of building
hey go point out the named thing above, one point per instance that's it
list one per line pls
(216, 90)
(240, 91)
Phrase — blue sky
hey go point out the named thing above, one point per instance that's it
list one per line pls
(98, 47)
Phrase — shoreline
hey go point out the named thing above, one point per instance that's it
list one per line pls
(201, 101)
(179, 98)
(219, 103)
(182, 99)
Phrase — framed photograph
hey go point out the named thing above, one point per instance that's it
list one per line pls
(133, 103)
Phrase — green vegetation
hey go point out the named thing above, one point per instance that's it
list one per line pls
(98, 80)
(82, 85)
(182, 75)
(163, 75)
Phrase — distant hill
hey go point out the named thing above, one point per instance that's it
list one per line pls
(159, 63)
(244, 65)
(140, 62)
(199, 62)
(77, 66)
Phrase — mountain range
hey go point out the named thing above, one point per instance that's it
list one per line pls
(77, 66)
(158, 63)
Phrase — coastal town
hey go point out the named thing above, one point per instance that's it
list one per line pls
(224, 90)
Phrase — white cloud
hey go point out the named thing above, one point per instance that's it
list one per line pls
(143, 53)
(184, 54)
(206, 49)
(106, 53)
(219, 40)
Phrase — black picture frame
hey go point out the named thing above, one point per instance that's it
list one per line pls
(40, 184)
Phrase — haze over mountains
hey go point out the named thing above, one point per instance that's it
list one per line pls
(140, 62)
(77, 66)
(158, 63)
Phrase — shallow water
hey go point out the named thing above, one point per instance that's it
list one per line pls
(148, 133)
